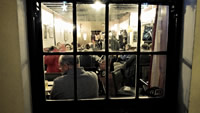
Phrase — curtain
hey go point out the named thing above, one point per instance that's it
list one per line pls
(158, 63)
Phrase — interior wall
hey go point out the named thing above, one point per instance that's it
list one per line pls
(189, 15)
(14, 71)
(85, 27)
(58, 29)
(194, 102)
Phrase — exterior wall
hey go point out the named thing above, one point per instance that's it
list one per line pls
(14, 71)
(189, 14)
(14, 64)
(24, 58)
(194, 91)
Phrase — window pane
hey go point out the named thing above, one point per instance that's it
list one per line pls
(90, 27)
(154, 27)
(59, 76)
(91, 77)
(123, 27)
(54, 70)
(153, 73)
(122, 75)
(57, 26)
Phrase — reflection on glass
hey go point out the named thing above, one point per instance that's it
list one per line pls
(122, 75)
(152, 72)
(123, 27)
(57, 26)
(154, 27)
(90, 27)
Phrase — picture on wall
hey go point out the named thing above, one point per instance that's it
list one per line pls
(44, 33)
(66, 35)
(47, 32)
(50, 32)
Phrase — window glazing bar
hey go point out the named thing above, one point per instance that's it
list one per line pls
(106, 48)
(75, 50)
(138, 55)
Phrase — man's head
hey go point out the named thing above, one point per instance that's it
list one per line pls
(66, 62)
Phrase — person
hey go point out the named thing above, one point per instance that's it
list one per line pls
(63, 88)
(61, 47)
(68, 47)
(58, 45)
(51, 61)
(87, 46)
(114, 43)
(102, 67)
(88, 62)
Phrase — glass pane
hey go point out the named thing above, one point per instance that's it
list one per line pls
(123, 27)
(90, 76)
(91, 81)
(90, 27)
(154, 27)
(57, 26)
(153, 73)
(122, 75)
(52, 70)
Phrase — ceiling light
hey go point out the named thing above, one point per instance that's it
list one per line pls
(97, 5)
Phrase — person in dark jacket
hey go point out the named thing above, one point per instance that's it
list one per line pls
(63, 88)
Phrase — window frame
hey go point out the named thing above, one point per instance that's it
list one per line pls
(36, 54)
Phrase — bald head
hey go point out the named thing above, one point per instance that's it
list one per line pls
(68, 59)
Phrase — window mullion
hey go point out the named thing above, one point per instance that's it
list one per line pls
(138, 53)
(106, 49)
(75, 50)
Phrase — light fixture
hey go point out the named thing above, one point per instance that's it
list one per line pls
(144, 5)
(97, 5)
(64, 7)
(84, 36)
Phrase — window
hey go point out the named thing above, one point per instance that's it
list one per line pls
(128, 71)
(124, 44)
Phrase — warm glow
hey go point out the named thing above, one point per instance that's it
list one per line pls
(63, 25)
(148, 16)
(134, 19)
(114, 28)
(47, 18)
(97, 5)
(84, 36)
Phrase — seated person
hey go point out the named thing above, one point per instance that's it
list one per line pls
(68, 47)
(61, 47)
(63, 88)
(102, 67)
(89, 62)
(87, 48)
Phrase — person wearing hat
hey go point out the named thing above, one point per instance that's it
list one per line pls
(63, 87)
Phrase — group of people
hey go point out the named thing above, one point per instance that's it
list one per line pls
(88, 84)
(51, 61)
(87, 80)
(63, 87)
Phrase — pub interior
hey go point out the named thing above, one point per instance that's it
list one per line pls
(57, 36)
